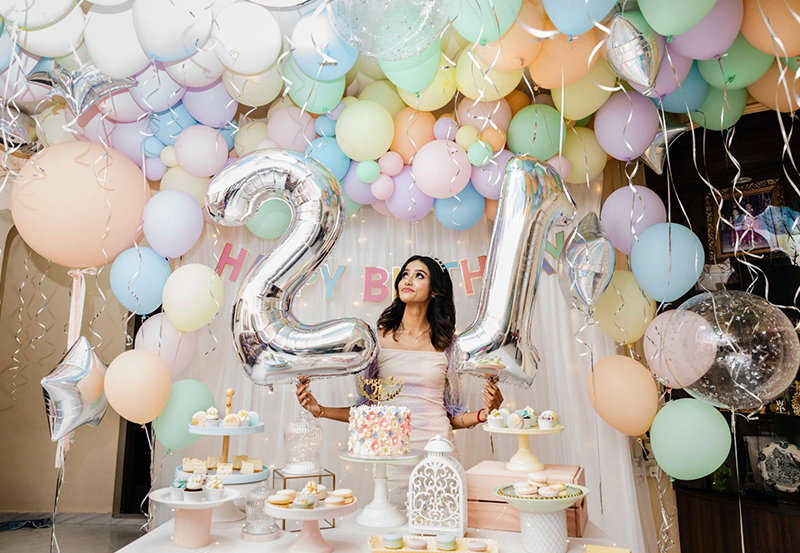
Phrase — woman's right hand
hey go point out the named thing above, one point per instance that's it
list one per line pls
(307, 399)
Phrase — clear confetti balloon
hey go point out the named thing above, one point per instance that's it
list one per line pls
(757, 349)
(389, 30)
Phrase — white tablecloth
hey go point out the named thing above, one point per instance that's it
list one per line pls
(347, 537)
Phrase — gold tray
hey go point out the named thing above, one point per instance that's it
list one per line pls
(376, 545)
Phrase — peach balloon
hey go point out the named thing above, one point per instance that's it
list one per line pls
(61, 208)
(137, 385)
(495, 138)
(560, 55)
(491, 209)
(517, 47)
(517, 100)
(412, 130)
(478, 114)
(783, 23)
(769, 92)
(624, 394)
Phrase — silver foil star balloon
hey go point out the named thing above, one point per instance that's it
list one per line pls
(73, 391)
(586, 264)
(633, 50)
(18, 134)
(77, 80)
(655, 156)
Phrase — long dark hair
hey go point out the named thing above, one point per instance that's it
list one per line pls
(441, 313)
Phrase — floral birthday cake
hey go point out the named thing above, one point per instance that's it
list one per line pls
(379, 430)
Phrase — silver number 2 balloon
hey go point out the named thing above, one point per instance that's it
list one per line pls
(533, 198)
(272, 344)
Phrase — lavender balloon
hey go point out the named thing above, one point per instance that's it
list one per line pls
(211, 105)
(674, 69)
(445, 129)
(626, 125)
(488, 180)
(712, 35)
(127, 138)
(355, 189)
(173, 222)
(627, 211)
(408, 202)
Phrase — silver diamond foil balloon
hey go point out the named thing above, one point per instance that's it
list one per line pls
(18, 134)
(532, 200)
(273, 346)
(73, 391)
(633, 52)
(655, 156)
(586, 264)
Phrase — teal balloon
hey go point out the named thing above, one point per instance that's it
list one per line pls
(325, 126)
(351, 207)
(271, 220)
(368, 171)
(667, 260)
(167, 125)
(689, 96)
(137, 278)
(313, 96)
(690, 439)
(416, 73)
(483, 21)
(537, 131)
(479, 153)
(462, 211)
(575, 17)
(327, 151)
(153, 146)
(186, 397)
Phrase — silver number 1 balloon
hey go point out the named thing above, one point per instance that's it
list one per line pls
(273, 346)
(533, 198)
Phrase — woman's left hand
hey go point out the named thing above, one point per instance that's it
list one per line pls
(492, 398)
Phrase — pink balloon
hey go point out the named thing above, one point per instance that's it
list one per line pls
(626, 125)
(408, 202)
(201, 151)
(266, 144)
(120, 107)
(445, 129)
(488, 180)
(383, 187)
(478, 114)
(211, 105)
(128, 138)
(713, 34)
(391, 163)
(291, 128)
(92, 125)
(381, 208)
(158, 336)
(685, 365)
(560, 164)
(154, 168)
(669, 76)
(624, 208)
(442, 168)
(355, 189)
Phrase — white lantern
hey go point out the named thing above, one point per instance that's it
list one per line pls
(437, 492)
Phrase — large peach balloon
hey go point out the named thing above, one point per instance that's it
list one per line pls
(624, 394)
(137, 385)
(781, 20)
(772, 93)
(565, 55)
(412, 130)
(68, 196)
(478, 114)
(517, 47)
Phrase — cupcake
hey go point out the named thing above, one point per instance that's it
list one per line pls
(495, 419)
(244, 417)
(212, 417)
(548, 420)
(526, 418)
(309, 494)
(194, 489)
(176, 489)
(214, 488)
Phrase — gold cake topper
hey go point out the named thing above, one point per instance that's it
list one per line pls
(380, 389)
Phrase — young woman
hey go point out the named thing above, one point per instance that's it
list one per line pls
(416, 334)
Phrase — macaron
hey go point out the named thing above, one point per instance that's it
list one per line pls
(548, 491)
(291, 494)
(333, 501)
(279, 500)
(527, 491)
(344, 493)
(446, 542)
(518, 485)
(560, 486)
(477, 546)
(538, 478)
(391, 541)
(416, 544)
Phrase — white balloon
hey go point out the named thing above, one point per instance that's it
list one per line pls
(174, 30)
(111, 40)
(254, 90)
(248, 38)
(33, 14)
(51, 126)
(14, 85)
(58, 39)
(120, 107)
(201, 69)
(155, 90)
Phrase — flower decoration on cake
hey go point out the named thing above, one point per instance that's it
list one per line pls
(379, 430)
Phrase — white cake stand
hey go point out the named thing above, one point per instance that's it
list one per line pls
(381, 513)
(524, 460)
(192, 520)
(310, 539)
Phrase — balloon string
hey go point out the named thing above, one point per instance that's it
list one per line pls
(37, 317)
(16, 356)
(738, 481)
(54, 548)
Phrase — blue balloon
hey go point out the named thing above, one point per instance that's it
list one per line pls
(574, 17)
(167, 125)
(153, 146)
(7, 47)
(667, 261)
(145, 277)
(340, 55)
(324, 126)
(691, 93)
(327, 152)
(227, 133)
(462, 211)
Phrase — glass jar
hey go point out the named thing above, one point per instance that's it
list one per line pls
(302, 442)
(259, 526)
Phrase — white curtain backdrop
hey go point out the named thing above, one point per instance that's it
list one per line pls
(617, 496)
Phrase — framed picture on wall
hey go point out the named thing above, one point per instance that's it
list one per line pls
(752, 219)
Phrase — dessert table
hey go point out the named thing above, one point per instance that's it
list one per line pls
(347, 537)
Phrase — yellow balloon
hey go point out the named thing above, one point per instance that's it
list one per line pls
(453, 43)
(585, 96)
(178, 179)
(476, 81)
(364, 130)
(385, 94)
(168, 156)
(438, 93)
(364, 70)
(192, 296)
(584, 153)
(349, 100)
(248, 137)
(624, 310)
(254, 90)
(466, 135)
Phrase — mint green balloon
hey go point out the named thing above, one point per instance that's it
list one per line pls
(351, 207)
(690, 439)
(716, 115)
(186, 397)
(479, 153)
(313, 96)
(583, 122)
(483, 21)
(271, 220)
(537, 131)
(368, 171)
(792, 63)
(674, 17)
(415, 73)
(742, 65)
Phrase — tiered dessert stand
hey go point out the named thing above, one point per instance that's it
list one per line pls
(310, 539)
(192, 520)
(228, 512)
(381, 513)
(524, 460)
